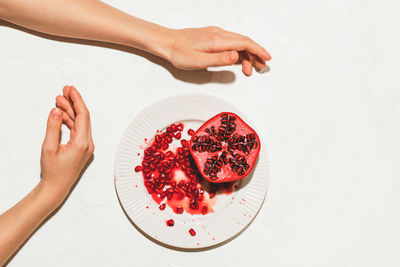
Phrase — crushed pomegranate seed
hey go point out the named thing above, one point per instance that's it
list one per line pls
(170, 222)
(192, 232)
(162, 206)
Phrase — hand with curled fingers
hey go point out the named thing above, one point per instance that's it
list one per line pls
(61, 164)
(199, 48)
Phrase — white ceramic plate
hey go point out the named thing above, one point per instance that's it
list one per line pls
(232, 212)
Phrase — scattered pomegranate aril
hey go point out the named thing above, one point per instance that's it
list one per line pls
(180, 196)
(179, 210)
(184, 143)
(173, 127)
(170, 195)
(173, 176)
(179, 127)
(158, 139)
(138, 168)
(194, 205)
(204, 210)
(170, 222)
(164, 146)
(169, 154)
(192, 232)
(190, 132)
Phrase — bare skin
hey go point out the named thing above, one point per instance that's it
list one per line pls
(191, 48)
(61, 165)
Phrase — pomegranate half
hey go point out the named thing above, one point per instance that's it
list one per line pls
(225, 148)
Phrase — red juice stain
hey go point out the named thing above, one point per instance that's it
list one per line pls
(198, 244)
(147, 207)
(138, 154)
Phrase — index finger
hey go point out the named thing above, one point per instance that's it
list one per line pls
(239, 42)
(82, 120)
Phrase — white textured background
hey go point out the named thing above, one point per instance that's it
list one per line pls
(328, 111)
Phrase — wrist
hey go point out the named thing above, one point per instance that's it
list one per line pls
(52, 195)
(153, 38)
(163, 43)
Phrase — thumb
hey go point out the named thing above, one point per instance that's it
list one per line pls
(218, 59)
(53, 132)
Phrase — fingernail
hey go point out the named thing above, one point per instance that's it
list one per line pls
(268, 56)
(56, 114)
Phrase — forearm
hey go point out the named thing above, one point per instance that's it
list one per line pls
(88, 19)
(19, 222)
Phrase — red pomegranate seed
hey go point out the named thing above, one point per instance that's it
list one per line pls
(138, 168)
(184, 143)
(170, 222)
(158, 139)
(179, 127)
(194, 205)
(180, 196)
(163, 195)
(173, 127)
(192, 232)
(164, 146)
(204, 210)
(169, 195)
(179, 210)
(162, 206)
(190, 132)
(178, 136)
